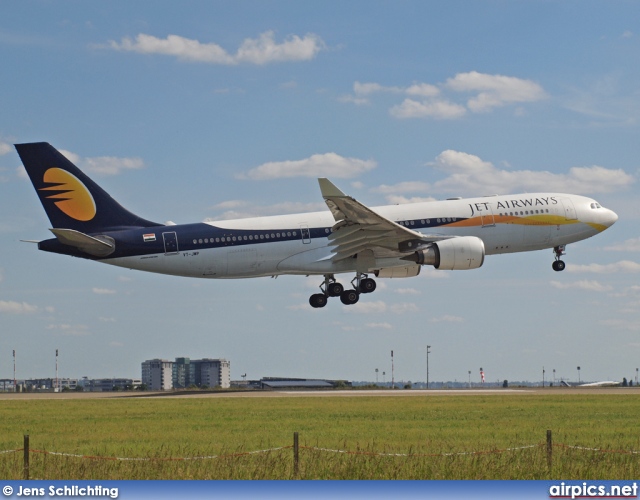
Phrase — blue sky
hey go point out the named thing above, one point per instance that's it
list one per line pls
(206, 110)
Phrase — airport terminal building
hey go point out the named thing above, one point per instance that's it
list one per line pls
(164, 375)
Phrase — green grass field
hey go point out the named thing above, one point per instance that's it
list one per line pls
(160, 428)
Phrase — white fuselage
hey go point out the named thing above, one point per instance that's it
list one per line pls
(505, 224)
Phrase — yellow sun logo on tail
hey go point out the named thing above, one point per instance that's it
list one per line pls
(75, 200)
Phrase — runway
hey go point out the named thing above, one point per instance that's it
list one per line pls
(536, 391)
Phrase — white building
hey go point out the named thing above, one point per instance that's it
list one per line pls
(157, 374)
(164, 375)
(212, 373)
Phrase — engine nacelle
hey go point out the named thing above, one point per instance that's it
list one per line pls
(398, 272)
(465, 252)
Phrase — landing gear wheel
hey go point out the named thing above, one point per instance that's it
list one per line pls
(558, 265)
(367, 285)
(318, 300)
(349, 297)
(335, 289)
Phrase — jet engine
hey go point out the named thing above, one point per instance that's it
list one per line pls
(465, 252)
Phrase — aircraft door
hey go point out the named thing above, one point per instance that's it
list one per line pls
(305, 234)
(569, 209)
(170, 243)
(486, 215)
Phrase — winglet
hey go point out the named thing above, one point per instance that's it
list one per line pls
(328, 189)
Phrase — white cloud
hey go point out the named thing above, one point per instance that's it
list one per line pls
(383, 326)
(408, 291)
(623, 324)
(224, 205)
(404, 187)
(103, 291)
(423, 90)
(260, 51)
(447, 319)
(286, 207)
(495, 90)
(13, 307)
(425, 100)
(403, 308)
(439, 109)
(623, 266)
(470, 174)
(104, 165)
(631, 245)
(398, 200)
(5, 148)
(365, 307)
(591, 286)
(70, 330)
(363, 91)
(318, 165)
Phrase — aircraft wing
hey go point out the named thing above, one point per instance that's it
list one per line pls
(359, 228)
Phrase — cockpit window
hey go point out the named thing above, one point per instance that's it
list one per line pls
(595, 206)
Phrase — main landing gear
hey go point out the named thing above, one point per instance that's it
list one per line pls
(331, 288)
(559, 264)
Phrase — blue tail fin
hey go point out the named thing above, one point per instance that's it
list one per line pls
(70, 198)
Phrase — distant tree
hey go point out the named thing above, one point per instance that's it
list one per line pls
(142, 387)
(79, 388)
(505, 384)
(630, 383)
(624, 382)
(407, 385)
(116, 388)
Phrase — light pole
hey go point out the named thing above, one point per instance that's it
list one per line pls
(428, 351)
(554, 375)
(376, 376)
(543, 376)
(15, 385)
(469, 379)
(578, 374)
(384, 380)
(393, 381)
(636, 377)
(57, 383)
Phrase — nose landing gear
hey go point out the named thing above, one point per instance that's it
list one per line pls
(559, 264)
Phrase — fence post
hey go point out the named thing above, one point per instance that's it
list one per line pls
(549, 450)
(296, 457)
(26, 457)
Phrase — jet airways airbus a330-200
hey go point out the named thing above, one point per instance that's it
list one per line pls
(386, 242)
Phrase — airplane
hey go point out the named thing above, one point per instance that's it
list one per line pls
(392, 241)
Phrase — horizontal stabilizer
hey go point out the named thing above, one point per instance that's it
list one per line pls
(99, 246)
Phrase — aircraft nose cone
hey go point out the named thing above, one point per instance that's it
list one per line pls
(612, 217)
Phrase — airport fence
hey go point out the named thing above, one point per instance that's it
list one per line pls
(296, 448)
